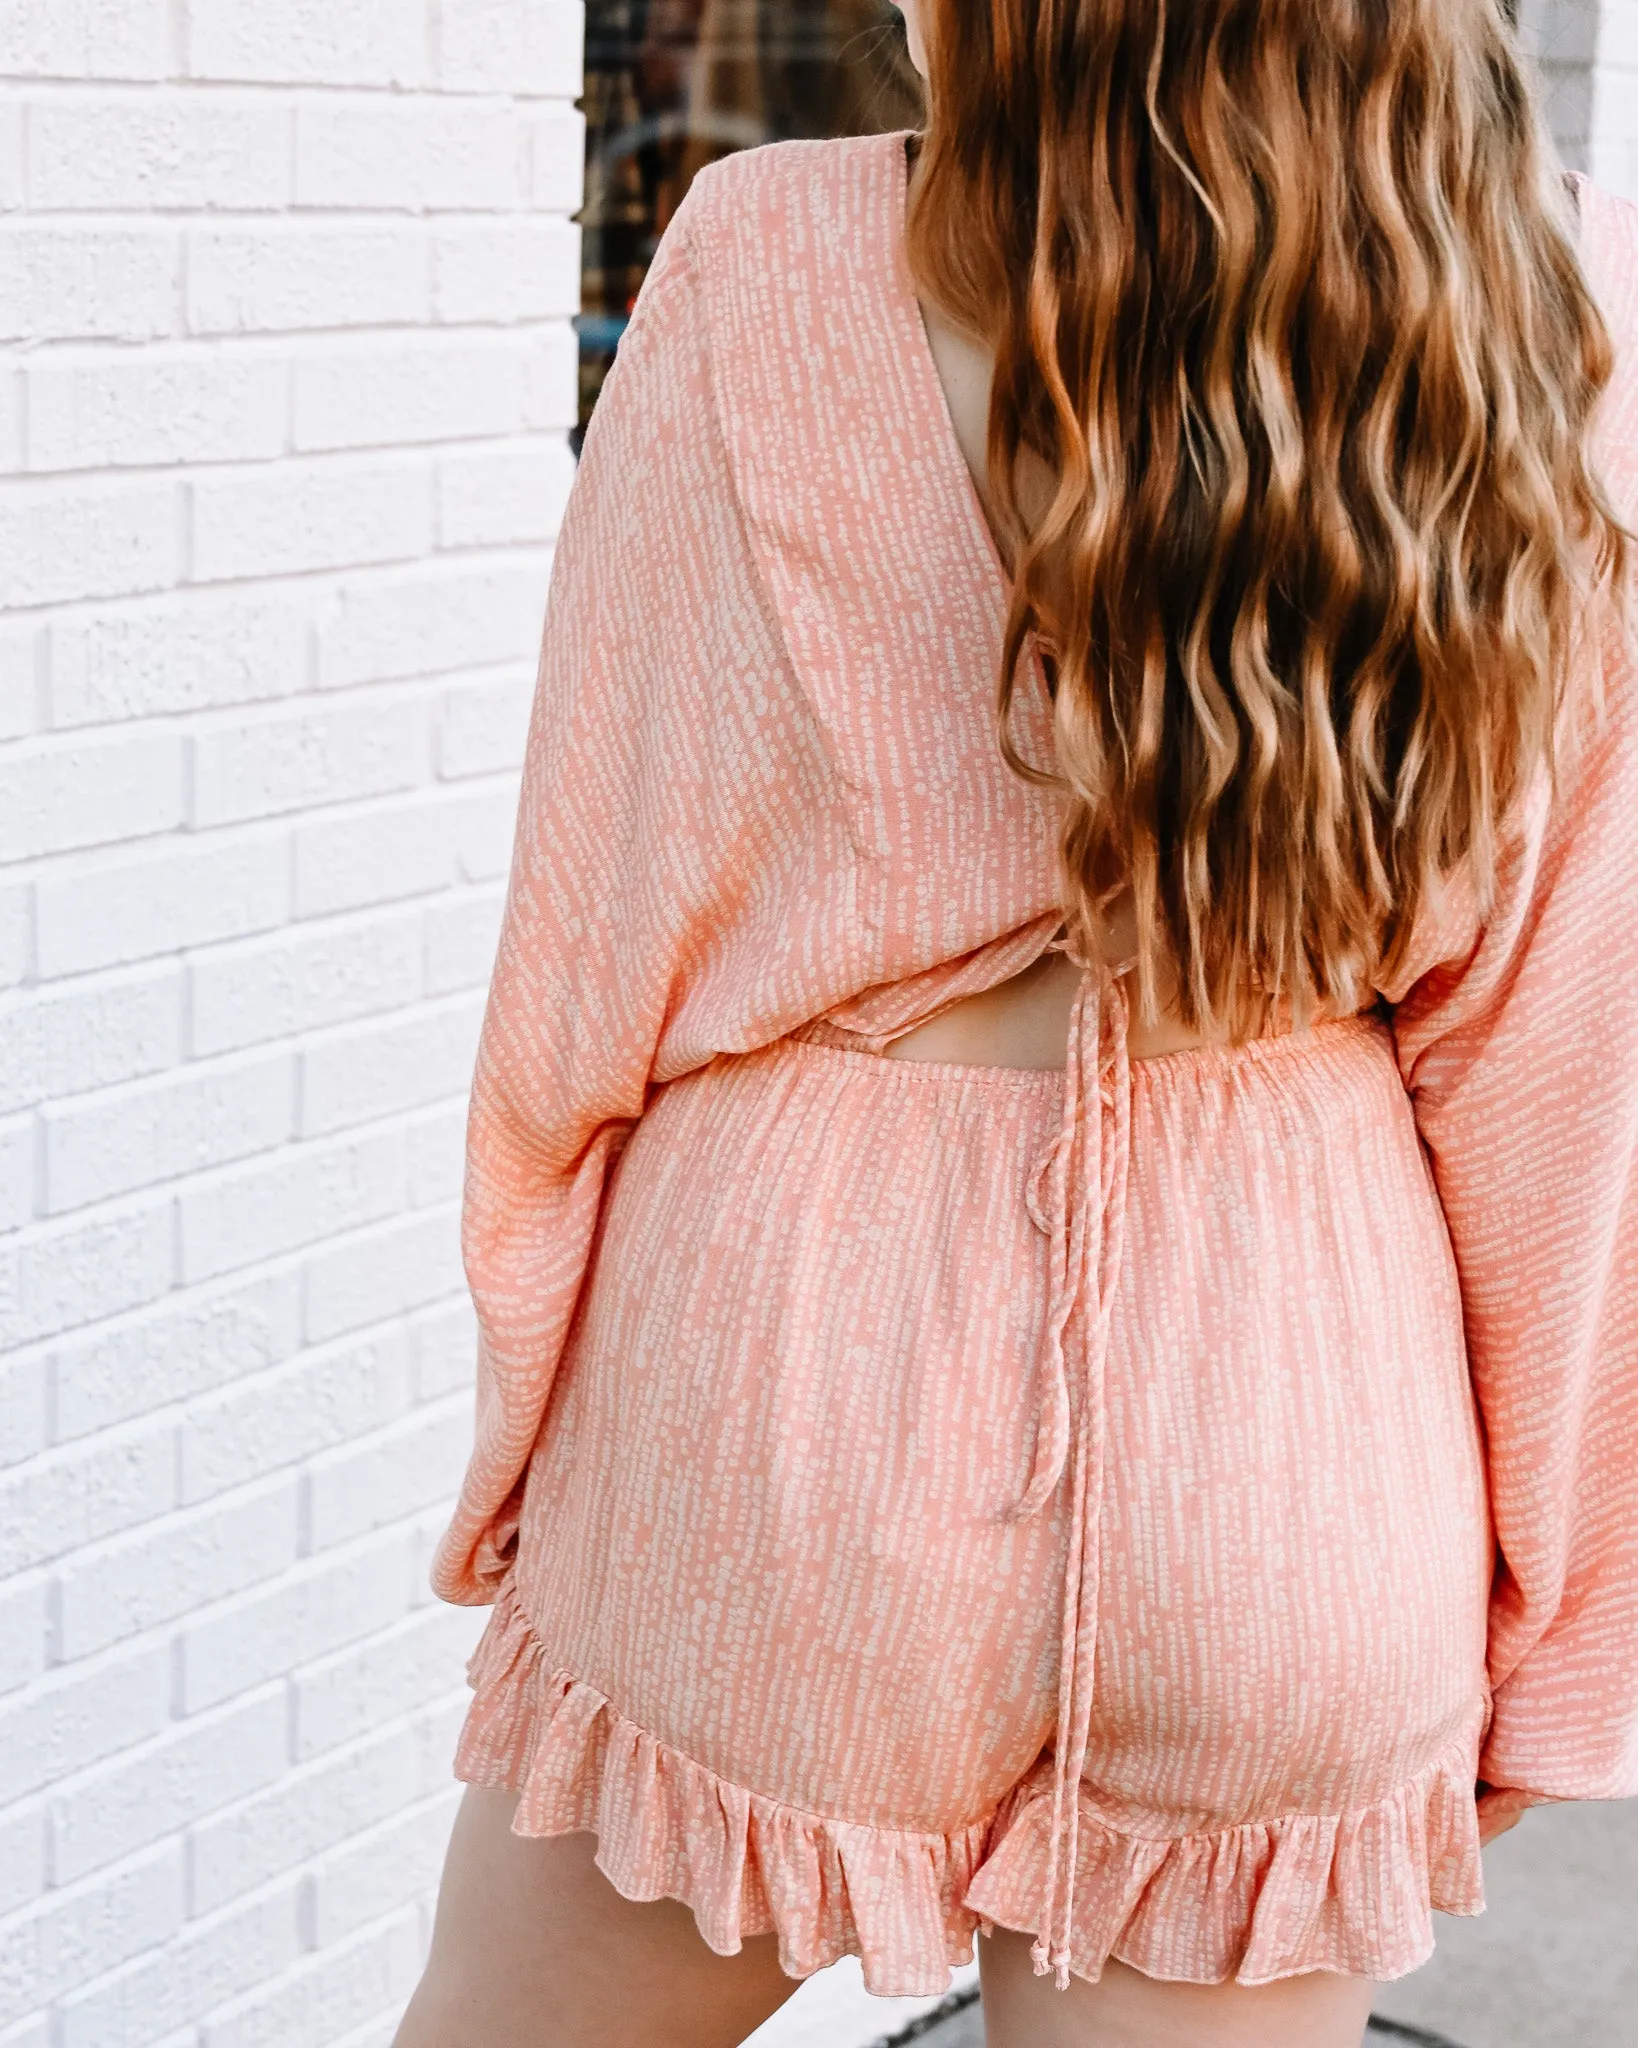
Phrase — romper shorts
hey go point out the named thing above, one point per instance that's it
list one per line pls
(777, 1632)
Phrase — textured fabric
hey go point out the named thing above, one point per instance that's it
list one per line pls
(1129, 1503)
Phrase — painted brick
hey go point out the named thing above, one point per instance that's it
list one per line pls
(64, 282)
(496, 497)
(89, 1034)
(20, 651)
(287, 275)
(256, 765)
(182, 1346)
(105, 910)
(378, 2033)
(58, 794)
(11, 405)
(325, 1397)
(214, 1958)
(496, 46)
(382, 852)
(437, 1156)
(72, 1934)
(387, 1867)
(505, 270)
(105, 1483)
(364, 1071)
(413, 1464)
(409, 154)
(337, 1988)
(557, 158)
(389, 390)
(16, 933)
(60, 1278)
(17, 1182)
(273, 521)
(286, 441)
(161, 1129)
(310, 1809)
(554, 375)
(75, 1715)
(250, 991)
(481, 821)
(462, 934)
(24, 1419)
(61, 540)
(25, 1620)
(313, 1609)
(344, 1697)
(85, 39)
(436, 1730)
(135, 1582)
(297, 1197)
(401, 1265)
(327, 42)
(483, 722)
(172, 655)
(191, 405)
(24, 1855)
(155, 1787)
(135, 153)
(12, 192)
(430, 620)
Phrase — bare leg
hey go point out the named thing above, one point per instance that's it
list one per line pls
(534, 1948)
(1125, 2009)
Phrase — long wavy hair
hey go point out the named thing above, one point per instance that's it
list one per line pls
(1284, 295)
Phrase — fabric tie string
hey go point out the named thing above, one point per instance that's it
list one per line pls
(1077, 1196)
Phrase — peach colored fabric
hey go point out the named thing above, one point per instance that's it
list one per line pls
(1132, 1503)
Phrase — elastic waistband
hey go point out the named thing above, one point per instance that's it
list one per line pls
(1324, 1039)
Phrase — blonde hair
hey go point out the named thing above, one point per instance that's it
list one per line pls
(1285, 296)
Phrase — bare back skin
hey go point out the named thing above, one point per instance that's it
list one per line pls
(1024, 1021)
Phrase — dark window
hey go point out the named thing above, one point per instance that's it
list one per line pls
(674, 84)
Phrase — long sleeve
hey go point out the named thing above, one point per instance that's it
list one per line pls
(1520, 1052)
(646, 829)
(1522, 1064)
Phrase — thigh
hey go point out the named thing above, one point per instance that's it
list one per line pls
(1125, 2009)
(534, 1947)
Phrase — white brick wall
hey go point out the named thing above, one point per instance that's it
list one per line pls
(285, 374)
(1587, 51)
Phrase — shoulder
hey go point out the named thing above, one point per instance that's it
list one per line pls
(1608, 249)
(1608, 246)
(790, 206)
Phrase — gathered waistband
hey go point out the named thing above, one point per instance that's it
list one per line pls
(1324, 1040)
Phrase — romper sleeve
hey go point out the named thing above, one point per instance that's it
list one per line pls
(626, 843)
(1521, 1060)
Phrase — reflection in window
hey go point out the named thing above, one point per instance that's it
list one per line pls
(674, 84)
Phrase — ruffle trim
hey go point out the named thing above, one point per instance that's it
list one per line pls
(1354, 1892)
(667, 1827)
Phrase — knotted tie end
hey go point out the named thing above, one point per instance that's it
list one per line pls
(1045, 1958)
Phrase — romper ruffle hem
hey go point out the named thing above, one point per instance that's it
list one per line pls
(1351, 1892)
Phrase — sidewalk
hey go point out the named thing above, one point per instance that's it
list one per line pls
(1553, 1960)
(1551, 1963)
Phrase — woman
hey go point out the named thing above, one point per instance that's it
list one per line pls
(1057, 1293)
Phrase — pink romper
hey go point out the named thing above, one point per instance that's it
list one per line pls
(1131, 1503)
